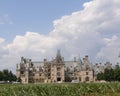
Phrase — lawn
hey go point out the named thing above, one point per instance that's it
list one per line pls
(64, 89)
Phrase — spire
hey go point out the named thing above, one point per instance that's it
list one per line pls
(58, 56)
(79, 60)
(58, 52)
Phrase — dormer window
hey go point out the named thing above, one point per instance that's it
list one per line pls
(21, 72)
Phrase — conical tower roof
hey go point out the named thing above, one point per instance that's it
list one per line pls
(58, 57)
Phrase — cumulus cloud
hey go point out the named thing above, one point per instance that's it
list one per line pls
(3, 49)
(1, 40)
(93, 31)
(32, 43)
(3, 53)
(111, 50)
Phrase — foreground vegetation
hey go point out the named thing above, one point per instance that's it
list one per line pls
(81, 89)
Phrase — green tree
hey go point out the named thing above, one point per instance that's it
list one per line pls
(7, 75)
(117, 73)
(1, 76)
(100, 76)
(109, 74)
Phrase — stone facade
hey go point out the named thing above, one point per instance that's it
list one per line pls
(57, 70)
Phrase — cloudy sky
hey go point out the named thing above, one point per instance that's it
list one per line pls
(36, 29)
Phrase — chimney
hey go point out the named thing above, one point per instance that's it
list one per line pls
(86, 57)
(22, 58)
(45, 60)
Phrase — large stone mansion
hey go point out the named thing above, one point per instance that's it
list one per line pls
(58, 70)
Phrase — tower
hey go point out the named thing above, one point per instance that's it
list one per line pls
(57, 68)
(87, 72)
(22, 70)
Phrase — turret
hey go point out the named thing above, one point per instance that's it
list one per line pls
(87, 63)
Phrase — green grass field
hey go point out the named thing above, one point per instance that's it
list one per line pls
(64, 89)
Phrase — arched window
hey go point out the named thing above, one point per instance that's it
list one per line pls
(87, 79)
(79, 78)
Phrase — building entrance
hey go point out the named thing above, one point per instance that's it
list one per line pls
(58, 79)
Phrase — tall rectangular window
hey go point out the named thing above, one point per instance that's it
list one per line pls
(87, 73)
(58, 68)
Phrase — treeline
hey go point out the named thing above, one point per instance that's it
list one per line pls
(110, 74)
(7, 75)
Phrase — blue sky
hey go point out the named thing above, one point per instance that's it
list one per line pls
(33, 15)
(36, 29)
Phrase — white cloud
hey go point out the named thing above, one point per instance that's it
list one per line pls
(1, 40)
(83, 32)
(3, 49)
(111, 50)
